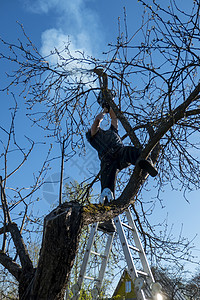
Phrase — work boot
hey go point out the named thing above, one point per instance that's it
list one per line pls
(147, 165)
(106, 196)
(107, 226)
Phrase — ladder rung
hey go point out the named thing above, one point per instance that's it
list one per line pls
(134, 248)
(142, 273)
(91, 278)
(98, 254)
(127, 226)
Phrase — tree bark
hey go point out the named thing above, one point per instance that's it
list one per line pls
(62, 228)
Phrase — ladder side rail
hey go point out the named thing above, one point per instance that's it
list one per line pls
(138, 244)
(105, 260)
(125, 247)
(128, 256)
(87, 254)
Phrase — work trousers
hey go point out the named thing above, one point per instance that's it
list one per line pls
(112, 163)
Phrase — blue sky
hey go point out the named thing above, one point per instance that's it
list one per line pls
(90, 25)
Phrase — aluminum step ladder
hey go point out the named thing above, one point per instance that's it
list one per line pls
(104, 260)
(141, 277)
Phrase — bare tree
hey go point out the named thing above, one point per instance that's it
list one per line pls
(157, 102)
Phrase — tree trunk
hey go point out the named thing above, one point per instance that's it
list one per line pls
(61, 235)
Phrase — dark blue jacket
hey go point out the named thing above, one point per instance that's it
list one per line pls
(105, 141)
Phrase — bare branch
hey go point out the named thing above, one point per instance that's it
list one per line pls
(21, 248)
(10, 265)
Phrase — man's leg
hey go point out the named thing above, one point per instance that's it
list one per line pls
(129, 155)
(108, 179)
(109, 170)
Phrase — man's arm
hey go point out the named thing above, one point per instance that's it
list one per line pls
(113, 117)
(97, 121)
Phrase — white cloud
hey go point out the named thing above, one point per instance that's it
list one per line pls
(75, 21)
(75, 69)
(55, 38)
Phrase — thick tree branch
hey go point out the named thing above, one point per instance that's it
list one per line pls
(192, 112)
(136, 180)
(168, 122)
(11, 266)
(4, 229)
(20, 247)
(61, 234)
